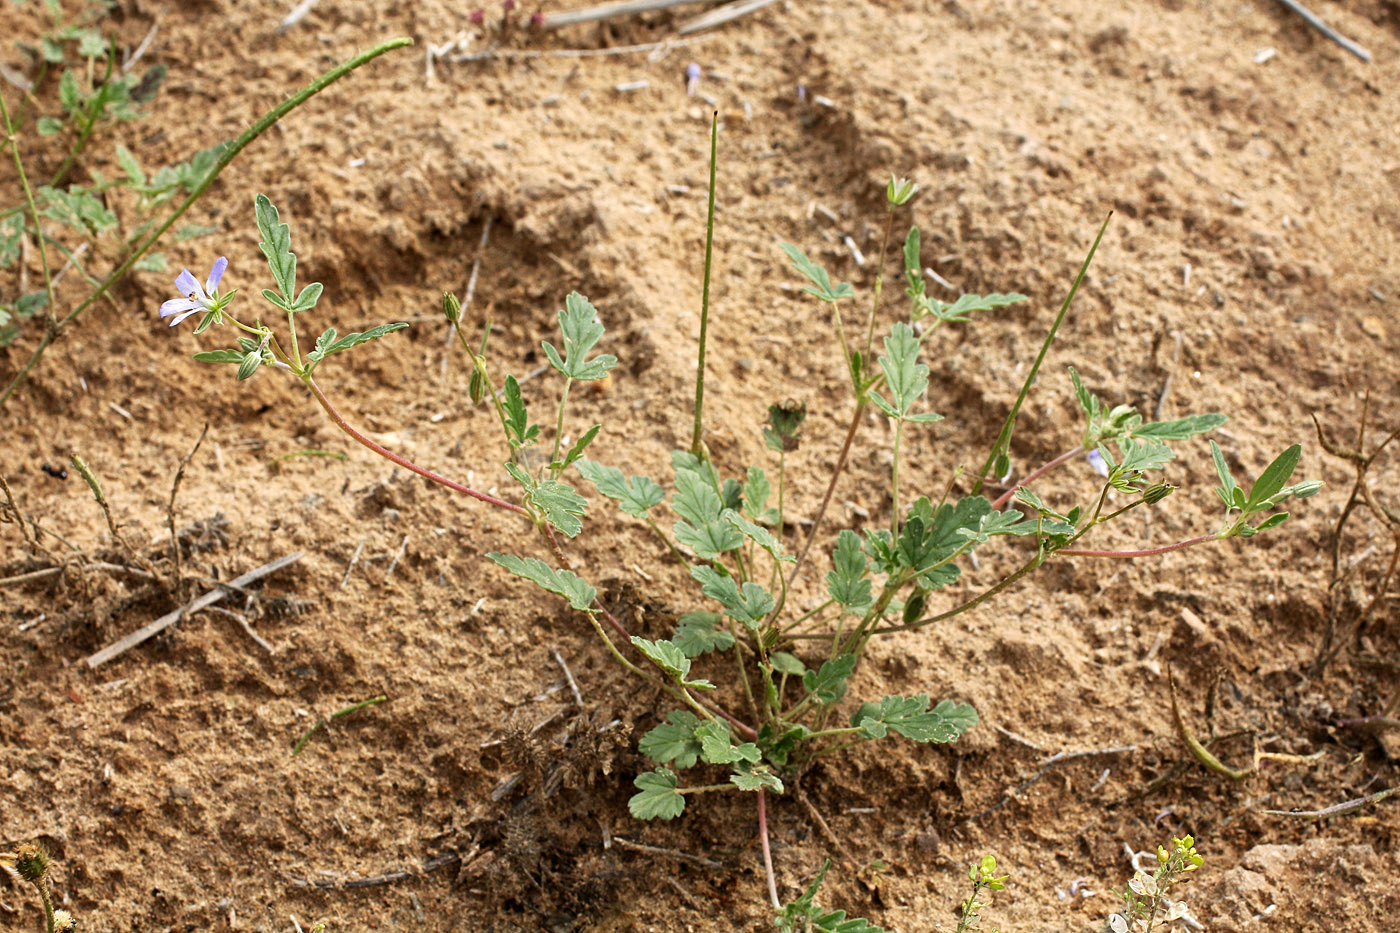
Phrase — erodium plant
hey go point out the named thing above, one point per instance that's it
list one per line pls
(761, 689)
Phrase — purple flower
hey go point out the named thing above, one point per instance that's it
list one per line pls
(196, 298)
(692, 78)
(1097, 462)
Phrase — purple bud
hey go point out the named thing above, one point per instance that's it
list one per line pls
(477, 17)
(507, 5)
(1097, 462)
(802, 93)
(537, 20)
(692, 72)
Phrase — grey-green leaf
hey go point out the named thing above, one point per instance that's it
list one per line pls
(219, 356)
(563, 583)
(829, 683)
(673, 742)
(699, 633)
(658, 797)
(636, 495)
(276, 245)
(821, 282)
(1274, 477)
(581, 329)
(848, 582)
(911, 718)
(562, 506)
(359, 337)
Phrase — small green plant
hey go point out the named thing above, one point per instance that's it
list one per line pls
(980, 874)
(804, 916)
(30, 862)
(761, 689)
(1146, 904)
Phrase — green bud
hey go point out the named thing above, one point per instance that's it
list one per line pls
(899, 191)
(451, 307)
(86, 472)
(912, 610)
(31, 862)
(1309, 488)
(784, 425)
(1157, 492)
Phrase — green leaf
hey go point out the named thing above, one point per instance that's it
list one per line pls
(69, 94)
(848, 582)
(696, 499)
(755, 778)
(1272, 480)
(128, 164)
(579, 447)
(219, 356)
(759, 535)
(665, 655)
(905, 376)
(522, 433)
(1182, 428)
(49, 126)
(187, 232)
(757, 489)
(710, 539)
(911, 718)
(1273, 521)
(717, 746)
(829, 683)
(673, 742)
(312, 294)
(821, 282)
(77, 208)
(913, 268)
(31, 303)
(659, 798)
(91, 44)
(323, 343)
(563, 583)
(699, 633)
(959, 311)
(749, 605)
(636, 495)
(359, 337)
(563, 507)
(276, 245)
(581, 329)
(785, 663)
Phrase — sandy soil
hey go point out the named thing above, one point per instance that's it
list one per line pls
(1250, 268)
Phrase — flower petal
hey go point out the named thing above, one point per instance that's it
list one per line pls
(188, 285)
(176, 305)
(215, 274)
(180, 317)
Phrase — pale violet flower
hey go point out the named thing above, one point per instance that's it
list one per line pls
(196, 297)
(1097, 462)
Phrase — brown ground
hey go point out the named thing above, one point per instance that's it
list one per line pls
(163, 780)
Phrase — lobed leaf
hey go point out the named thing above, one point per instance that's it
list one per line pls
(276, 245)
(636, 495)
(699, 633)
(848, 581)
(911, 718)
(821, 282)
(829, 683)
(673, 742)
(563, 583)
(581, 329)
(658, 797)
(563, 507)
(749, 605)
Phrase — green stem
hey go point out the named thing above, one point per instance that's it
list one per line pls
(559, 422)
(479, 365)
(34, 213)
(93, 114)
(47, 899)
(830, 488)
(253, 132)
(894, 480)
(879, 284)
(807, 615)
(697, 442)
(1003, 441)
(322, 723)
(706, 789)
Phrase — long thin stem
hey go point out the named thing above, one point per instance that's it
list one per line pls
(767, 853)
(559, 423)
(1003, 441)
(894, 480)
(93, 114)
(34, 213)
(227, 156)
(879, 284)
(1076, 552)
(697, 440)
(406, 464)
(1000, 501)
(830, 488)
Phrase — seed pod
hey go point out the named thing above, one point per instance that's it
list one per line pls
(451, 307)
(912, 610)
(32, 862)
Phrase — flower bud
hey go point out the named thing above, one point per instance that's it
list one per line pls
(451, 307)
(31, 862)
(1157, 492)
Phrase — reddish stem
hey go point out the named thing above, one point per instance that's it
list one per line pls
(406, 464)
(831, 487)
(1035, 475)
(767, 854)
(1071, 552)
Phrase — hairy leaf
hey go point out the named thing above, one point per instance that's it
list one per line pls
(911, 718)
(710, 539)
(829, 683)
(699, 633)
(522, 433)
(636, 495)
(673, 742)
(563, 583)
(358, 337)
(755, 777)
(848, 581)
(821, 282)
(658, 797)
(562, 506)
(759, 535)
(748, 605)
(276, 245)
(581, 329)
(696, 499)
